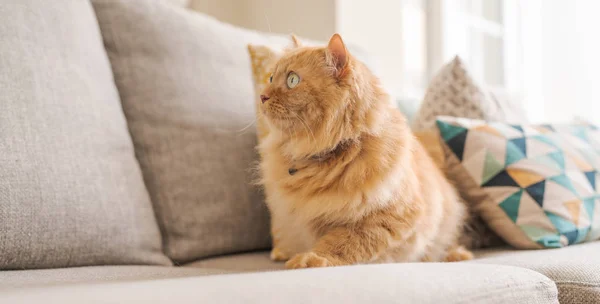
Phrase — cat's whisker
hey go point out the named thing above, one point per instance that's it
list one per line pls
(306, 126)
(293, 130)
(295, 135)
(242, 130)
(268, 23)
(239, 132)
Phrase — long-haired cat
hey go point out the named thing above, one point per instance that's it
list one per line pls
(346, 181)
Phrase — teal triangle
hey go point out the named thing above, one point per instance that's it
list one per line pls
(562, 225)
(550, 241)
(582, 233)
(545, 139)
(535, 232)
(579, 131)
(564, 181)
(491, 167)
(571, 236)
(559, 158)
(511, 205)
(518, 128)
(514, 153)
(448, 131)
(590, 205)
(591, 177)
(520, 144)
(548, 161)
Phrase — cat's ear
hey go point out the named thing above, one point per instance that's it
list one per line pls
(338, 54)
(296, 41)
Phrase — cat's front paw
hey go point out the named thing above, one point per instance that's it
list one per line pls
(307, 260)
(279, 255)
(458, 254)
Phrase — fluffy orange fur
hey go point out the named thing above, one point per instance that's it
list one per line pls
(345, 179)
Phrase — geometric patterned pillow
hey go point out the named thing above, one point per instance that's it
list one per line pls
(536, 186)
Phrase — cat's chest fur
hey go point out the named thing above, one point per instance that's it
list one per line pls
(300, 193)
(283, 182)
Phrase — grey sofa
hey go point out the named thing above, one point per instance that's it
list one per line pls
(81, 205)
(570, 275)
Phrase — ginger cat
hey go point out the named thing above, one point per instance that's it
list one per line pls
(345, 179)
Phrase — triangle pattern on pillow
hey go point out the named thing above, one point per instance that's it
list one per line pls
(545, 184)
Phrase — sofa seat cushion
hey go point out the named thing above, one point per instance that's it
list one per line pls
(574, 269)
(391, 283)
(245, 262)
(94, 274)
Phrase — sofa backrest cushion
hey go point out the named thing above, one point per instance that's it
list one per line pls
(71, 190)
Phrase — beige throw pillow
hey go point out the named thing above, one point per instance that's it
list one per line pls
(454, 92)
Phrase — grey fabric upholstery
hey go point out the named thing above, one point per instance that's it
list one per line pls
(245, 262)
(71, 190)
(391, 283)
(44, 278)
(574, 269)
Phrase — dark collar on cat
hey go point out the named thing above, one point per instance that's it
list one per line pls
(325, 155)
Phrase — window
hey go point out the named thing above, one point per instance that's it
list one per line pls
(484, 33)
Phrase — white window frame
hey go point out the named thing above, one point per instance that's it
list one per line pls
(448, 23)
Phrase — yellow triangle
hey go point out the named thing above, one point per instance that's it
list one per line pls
(523, 177)
(574, 207)
(488, 129)
(542, 129)
(581, 164)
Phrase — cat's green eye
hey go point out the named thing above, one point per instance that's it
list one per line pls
(271, 79)
(293, 80)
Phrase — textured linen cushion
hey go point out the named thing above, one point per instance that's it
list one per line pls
(186, 86)
(536, 186)
(574, 269)
(413, 282)
(47, 278)
(454, 92)
(453, 283)
(71, 191)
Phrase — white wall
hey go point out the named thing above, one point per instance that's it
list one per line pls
(230, 11)
(180, 2)
(393, 31)
(570, 60)
(531, 45)
(314, 19)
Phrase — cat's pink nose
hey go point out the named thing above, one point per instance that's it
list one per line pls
(264, 98)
